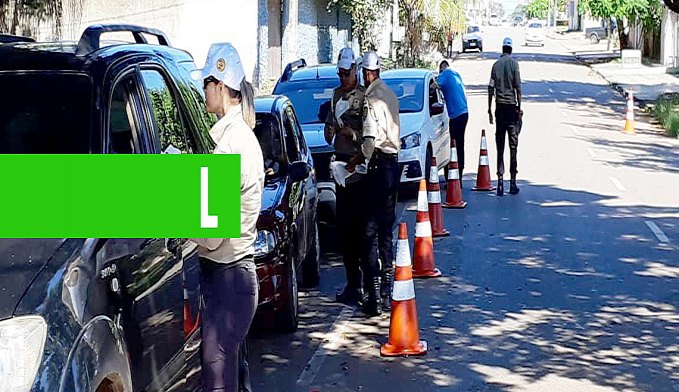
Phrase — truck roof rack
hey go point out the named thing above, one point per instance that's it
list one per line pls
(90, 40)
(290, 68)
(9, 38)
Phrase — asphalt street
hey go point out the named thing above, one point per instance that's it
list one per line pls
(572, 285)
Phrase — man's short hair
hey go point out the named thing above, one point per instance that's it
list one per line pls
(444, 62)
(507, 49)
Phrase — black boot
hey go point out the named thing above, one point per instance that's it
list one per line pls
(373, 305)
(350, 296)
(385, 290)
(500, 187)
(513, 189)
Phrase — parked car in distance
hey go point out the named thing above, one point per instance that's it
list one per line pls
(494, 20)
(472, 38)
(100, 314)
(596, 34)
(535, 33)
(424, 122)
(286, 249)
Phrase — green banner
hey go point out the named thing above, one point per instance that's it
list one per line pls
(120, 196)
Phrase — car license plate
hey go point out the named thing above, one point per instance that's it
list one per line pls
(471, 44)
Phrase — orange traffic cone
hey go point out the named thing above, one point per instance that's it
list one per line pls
(434, 199)
(483, 176)
(629, 119)
(404, 333)
(425, 265)
(453, 189)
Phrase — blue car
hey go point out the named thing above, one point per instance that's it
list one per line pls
(310, 89)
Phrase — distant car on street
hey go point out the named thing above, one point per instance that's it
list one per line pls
(472, 39)
(424, 122)
(596, 34)
(535, 33)
(494, 20)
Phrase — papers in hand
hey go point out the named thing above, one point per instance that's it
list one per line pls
(341, 174)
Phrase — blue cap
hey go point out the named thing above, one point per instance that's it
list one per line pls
(507, 42)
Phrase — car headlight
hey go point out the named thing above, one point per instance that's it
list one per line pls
(465, 39)
(265, 243)
(22, 341)
(411, 141)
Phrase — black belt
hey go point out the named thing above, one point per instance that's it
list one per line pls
(381, 154)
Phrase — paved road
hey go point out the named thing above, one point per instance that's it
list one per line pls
(573, 285)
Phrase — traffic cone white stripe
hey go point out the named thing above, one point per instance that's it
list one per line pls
(403, 290)
(483, 160)
(433, 174)
(422, 205)
(453, 154)
(484, 144)
(423, 229)
(453, 174)
(434, 197)
(403, 254)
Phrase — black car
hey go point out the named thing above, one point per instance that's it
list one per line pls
(310, 89)
(100, 314)
(10, 38)
(287, 235)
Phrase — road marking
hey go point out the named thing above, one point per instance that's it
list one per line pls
(617, 184)
(575, 130)
(331, 344)
(658, 233)
(592, 153)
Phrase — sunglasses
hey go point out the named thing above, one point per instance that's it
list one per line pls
(208, 80)
(344, 73)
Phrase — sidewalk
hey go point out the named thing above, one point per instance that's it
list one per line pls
(648, 82)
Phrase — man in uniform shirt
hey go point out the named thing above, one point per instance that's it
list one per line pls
(381, 144)
(344, 124)
(505, 85)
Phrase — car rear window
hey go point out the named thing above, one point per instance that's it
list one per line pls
(535, 26)
(410, 94)
(45, 113)
(307, 97)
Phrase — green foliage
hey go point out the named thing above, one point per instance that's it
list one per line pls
(538, 8)
(666, 110)
(646, 12)
(167, 117)
(364, 15)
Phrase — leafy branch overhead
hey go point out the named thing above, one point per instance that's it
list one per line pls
(364, 16)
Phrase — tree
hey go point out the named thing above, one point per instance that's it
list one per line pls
(364, 16)
(538, 8)
(497, 8)
(13, 13)
(647, 13)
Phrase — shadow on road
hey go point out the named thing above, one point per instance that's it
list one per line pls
(550, 290)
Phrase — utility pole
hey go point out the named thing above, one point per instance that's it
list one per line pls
(549, 14)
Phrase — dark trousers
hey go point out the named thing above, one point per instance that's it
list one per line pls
(350, 227)
(506, 117)
(230, 300)
(450, 49)
(381, 193)
(457, 127)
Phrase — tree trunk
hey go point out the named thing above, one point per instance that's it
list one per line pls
(15, 17)
(609, 35)
(624, 37)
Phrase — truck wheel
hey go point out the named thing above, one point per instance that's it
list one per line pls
(594, 39)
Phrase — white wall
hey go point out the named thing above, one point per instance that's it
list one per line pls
(192, 25)
(668, 37)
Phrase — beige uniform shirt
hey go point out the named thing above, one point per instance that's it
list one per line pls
(380, 117)
(234, 136)
(346, 111)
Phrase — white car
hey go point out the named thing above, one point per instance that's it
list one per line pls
(494, 20)
(535, 33)
(424, 122)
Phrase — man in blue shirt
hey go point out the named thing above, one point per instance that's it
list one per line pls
(456, 102)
